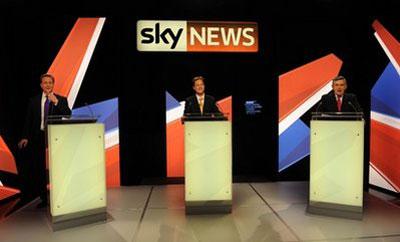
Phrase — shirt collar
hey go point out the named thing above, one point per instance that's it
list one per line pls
(199, 96)
(44, 95)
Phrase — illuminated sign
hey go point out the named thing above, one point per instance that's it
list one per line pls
(197, 36)
(252, 107)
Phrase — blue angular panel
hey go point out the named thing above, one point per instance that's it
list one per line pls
(385, 96)
(170, 101)
(294, 144)
(106, 111)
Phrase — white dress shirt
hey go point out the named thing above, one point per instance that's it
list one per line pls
(42, 111)
(202, 96)
(337, 98)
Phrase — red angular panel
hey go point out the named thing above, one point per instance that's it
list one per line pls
(389, 40)
(66, 65)
(5, 209)
(112, 166)
(7, 161)
(6, 192)
(175, 149)
(297, 85)
(385, 151)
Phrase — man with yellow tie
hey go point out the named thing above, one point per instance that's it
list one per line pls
(200, 103)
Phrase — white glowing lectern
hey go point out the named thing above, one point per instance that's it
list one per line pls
(336, 165)
(77, 171)
(208, 164)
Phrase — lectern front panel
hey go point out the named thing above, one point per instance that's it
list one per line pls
(77, 168)
(336, 162)
(208, 161)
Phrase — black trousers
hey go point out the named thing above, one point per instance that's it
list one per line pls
(37, 156)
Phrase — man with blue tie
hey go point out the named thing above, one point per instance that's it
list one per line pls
(33, 134)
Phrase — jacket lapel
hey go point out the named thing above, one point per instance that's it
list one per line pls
(38, 104)
(197, 105)
(333, 102)
(344, 101)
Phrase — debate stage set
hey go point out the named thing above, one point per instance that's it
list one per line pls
(200, 121)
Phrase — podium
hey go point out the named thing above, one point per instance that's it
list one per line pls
(208, 164)
(336, 165)
(76, 171)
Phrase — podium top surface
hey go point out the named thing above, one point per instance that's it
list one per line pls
(204, 117)
(337, 116)
(71, 119)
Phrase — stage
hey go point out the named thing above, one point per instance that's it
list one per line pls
(261, 212)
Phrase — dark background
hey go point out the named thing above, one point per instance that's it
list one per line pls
(291, 34)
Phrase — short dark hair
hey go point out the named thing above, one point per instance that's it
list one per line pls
(338, 78)
(197, 78)
(47, 75)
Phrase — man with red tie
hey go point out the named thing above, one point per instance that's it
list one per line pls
(338, 100)
(33, 135)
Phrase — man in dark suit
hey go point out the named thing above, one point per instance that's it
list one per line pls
(337, 100)
(200, 103)
(33, 136)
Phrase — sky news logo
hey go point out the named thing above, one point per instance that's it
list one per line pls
(197, 36)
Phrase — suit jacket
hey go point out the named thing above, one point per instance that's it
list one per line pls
(192, 105)
(349, 103)
(33, 116)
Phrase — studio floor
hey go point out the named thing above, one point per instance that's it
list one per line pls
(261, 212)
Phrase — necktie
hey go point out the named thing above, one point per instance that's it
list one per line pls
(201, 104)
(46, 110)
(339, 104)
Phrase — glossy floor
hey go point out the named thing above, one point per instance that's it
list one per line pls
(261, 212)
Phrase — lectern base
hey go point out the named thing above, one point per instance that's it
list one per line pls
(208, 207)
(335, 210)
(78, 219)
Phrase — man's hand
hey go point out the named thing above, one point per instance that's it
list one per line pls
(53, 98)
(23, 143)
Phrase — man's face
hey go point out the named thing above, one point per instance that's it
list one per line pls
(199, 87)
(339, 87)
(47, 84)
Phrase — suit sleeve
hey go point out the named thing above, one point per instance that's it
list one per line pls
(62, 107)
(356, 104)
(214, 107)
(27, 130)
(187, 106)
(321, 106)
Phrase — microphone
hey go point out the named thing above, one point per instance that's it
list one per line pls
(219, 108)
(188, 104)
(90, 110)
(355, 109)
(319, 105)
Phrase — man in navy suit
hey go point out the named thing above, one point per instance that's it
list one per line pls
(200, 103)
(33, 135)
(338, 100)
